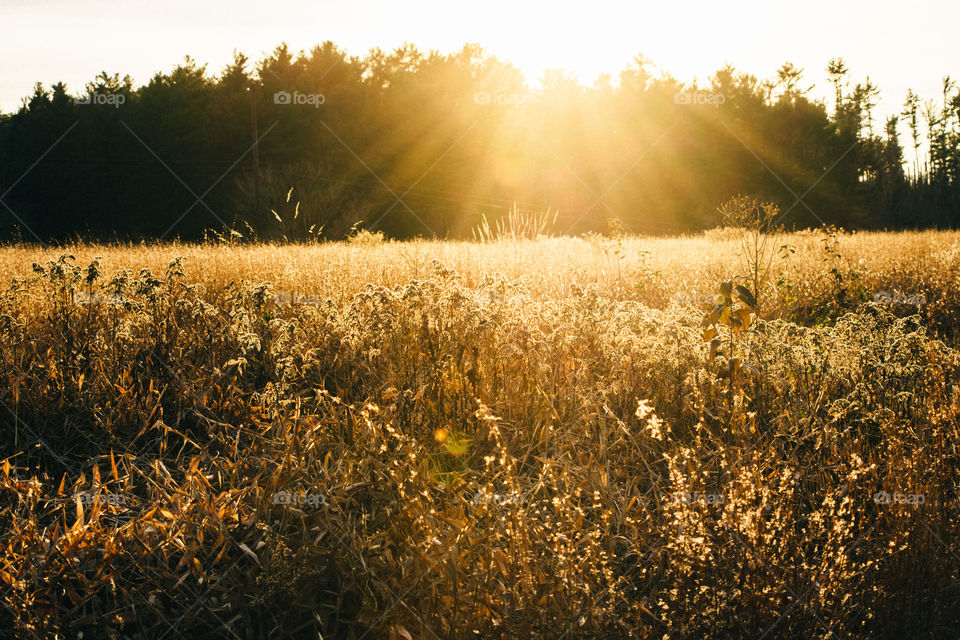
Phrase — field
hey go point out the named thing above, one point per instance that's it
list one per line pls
(505, 439)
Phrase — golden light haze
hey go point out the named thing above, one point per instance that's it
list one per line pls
(900, 46)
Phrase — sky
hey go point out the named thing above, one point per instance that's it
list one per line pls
(900, 45)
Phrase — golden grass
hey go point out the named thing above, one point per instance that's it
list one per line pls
(548, 266)
(507, 439)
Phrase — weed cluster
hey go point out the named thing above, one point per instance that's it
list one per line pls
(460, 453)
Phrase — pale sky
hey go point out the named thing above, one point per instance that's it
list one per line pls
(900, 45)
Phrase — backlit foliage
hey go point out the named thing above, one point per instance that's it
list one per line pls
(508, 439)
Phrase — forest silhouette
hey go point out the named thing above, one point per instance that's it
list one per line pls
(424, 144)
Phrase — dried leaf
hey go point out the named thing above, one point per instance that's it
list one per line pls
(249, 552)
(744, 294)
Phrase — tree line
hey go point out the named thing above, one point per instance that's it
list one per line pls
(316, 143)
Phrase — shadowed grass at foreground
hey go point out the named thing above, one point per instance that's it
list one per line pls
(519, 439)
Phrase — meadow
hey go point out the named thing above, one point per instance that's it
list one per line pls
(565, 437)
